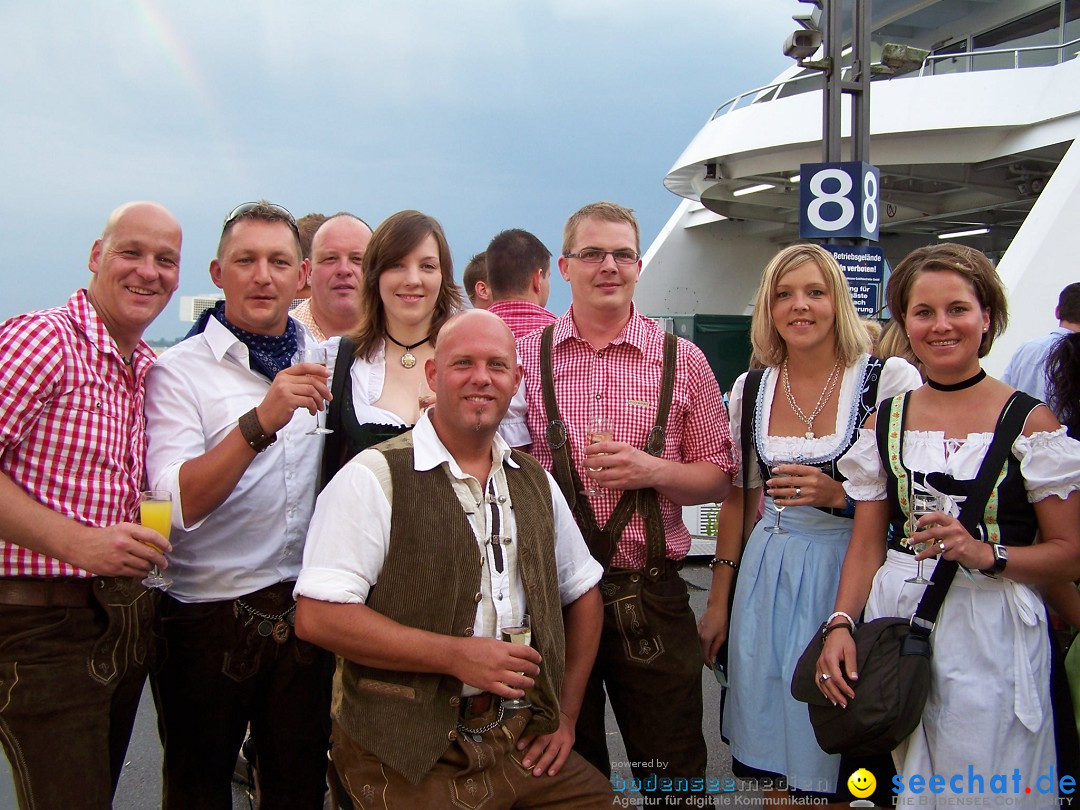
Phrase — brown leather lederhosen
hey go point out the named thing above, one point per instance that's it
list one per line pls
(618, 584)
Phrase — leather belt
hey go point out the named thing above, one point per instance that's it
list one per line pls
(476, 704)
(71, 592)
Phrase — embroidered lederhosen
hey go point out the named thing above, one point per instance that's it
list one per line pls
(626, 588)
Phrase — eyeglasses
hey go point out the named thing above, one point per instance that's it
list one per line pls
(595, 256)
(246, 208)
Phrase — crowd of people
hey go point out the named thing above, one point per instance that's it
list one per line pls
(417, 548)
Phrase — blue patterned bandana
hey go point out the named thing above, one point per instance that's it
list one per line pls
(267, 354)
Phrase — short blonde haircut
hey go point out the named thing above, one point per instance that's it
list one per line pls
(851, 337)
(605, 212)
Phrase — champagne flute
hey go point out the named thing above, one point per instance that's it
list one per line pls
(778, 503)
(922, 503)
(598, 431)
(155, 512)
(425, 395)
(316, 354)
(520, 633)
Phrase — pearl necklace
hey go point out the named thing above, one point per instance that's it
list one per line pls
(823, 400)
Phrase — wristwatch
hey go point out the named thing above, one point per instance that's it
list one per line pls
(1001, 559)
(253, 433)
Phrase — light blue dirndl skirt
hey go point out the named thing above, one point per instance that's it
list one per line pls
(786, 588)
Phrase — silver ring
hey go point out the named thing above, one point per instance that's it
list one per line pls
(824, 677)
(798, 492)
(941, 545)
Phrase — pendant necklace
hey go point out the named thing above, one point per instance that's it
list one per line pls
(960, 386)
(408, 360)
(823, 400)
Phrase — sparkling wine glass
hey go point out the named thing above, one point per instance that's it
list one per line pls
(922, 503)
(155, 512)
(519, 633)
(778, 503)
(316, 354)
(598, 431)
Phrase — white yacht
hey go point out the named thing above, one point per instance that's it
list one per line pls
(981, 137)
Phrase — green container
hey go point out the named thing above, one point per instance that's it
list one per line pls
(725, 340)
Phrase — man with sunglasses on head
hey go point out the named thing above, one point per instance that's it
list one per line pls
(668, 446)
(229, 411)
(74, 616)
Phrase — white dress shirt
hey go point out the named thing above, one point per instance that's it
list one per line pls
(196, 393)
(350, 533)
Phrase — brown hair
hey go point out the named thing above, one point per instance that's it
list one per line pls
(970, 263)
(394, 239)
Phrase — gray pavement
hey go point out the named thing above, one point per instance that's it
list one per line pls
(140, 782)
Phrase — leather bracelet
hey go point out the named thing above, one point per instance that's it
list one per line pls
(715, 561)
(841, 615)
(830, 627)
(254, 434)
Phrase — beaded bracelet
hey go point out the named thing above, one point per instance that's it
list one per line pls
(715, 561)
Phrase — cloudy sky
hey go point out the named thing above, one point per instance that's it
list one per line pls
(487, 114)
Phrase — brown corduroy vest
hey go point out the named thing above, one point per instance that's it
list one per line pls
(431, 580)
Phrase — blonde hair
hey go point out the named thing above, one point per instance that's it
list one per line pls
(850, 335)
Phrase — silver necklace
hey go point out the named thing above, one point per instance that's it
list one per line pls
(823, 400)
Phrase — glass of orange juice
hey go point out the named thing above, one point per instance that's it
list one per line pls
(155, 512)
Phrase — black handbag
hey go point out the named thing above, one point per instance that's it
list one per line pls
(893, 654)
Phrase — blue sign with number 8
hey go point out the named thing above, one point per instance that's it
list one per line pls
(839, 199)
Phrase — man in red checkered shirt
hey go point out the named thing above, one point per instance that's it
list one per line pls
(519, 275)
(74, 617)
(607, 363)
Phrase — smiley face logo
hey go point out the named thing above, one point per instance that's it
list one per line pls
(861, 783)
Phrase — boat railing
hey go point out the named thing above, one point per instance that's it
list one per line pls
(1001, 58)
(965, 62)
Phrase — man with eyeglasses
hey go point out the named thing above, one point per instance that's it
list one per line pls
(336, 265)
(74, 617)
(667, 445)
(228, 416)
(519, 273)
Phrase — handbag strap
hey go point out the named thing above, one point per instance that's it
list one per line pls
(1009, 425)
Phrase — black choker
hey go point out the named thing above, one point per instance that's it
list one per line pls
(408, 359)
(960, 386)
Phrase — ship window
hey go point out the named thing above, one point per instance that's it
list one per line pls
(958, 64)
(1039, 28)
(1072, 28)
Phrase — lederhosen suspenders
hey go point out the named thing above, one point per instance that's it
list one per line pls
(602, 542)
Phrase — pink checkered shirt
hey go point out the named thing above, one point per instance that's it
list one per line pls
(522, 317)
(72, 429)
(622, 384)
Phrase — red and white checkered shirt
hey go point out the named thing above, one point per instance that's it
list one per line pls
(622, 384)
(522, 317)
(72, 429)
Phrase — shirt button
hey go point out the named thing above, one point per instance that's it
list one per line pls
(468, 632)
(451, 736)
(479, 597)
(455, 701)
(597, 397)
